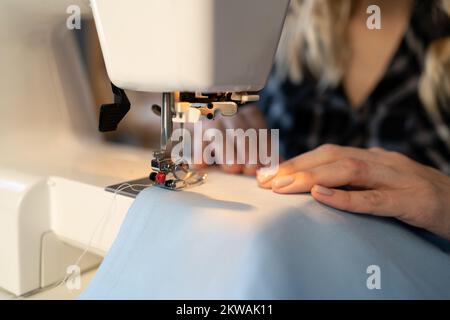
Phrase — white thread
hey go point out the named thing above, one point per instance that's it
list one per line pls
(102, 222)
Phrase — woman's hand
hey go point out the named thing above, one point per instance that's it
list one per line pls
(379, 182)
(248, 117)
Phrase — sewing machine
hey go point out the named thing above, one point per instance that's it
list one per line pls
(206, 56)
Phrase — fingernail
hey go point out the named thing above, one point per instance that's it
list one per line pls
(323, 191)
(264, 175)
(263, 178)
(282, 182)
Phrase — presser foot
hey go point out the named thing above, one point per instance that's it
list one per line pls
(165, 180)
(168, 181)
(172, 175)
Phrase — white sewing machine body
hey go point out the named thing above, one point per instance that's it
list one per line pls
(195, 45)
(54, 166)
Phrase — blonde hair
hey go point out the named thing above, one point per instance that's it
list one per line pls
(315, 37)
(434, 85)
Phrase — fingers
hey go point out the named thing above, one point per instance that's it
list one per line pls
(322, 155)
(242, 154)
(236, 122)
(250, 169)
(375, 202)
(246, 169)
(241, 162)
(346, 172)
(209, 141)
(198, 166)
(253, 117)
(232, 168)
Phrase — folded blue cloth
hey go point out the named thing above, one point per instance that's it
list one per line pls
(228, 239)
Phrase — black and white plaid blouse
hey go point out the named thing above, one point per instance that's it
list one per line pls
(393, 117)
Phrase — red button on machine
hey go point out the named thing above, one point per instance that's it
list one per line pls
(160, 178)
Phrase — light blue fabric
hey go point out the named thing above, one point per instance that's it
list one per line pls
(228, 239)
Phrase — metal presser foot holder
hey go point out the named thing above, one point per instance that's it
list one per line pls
(181, 108)
(169, 174)
(165, 173)
(173, 175)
